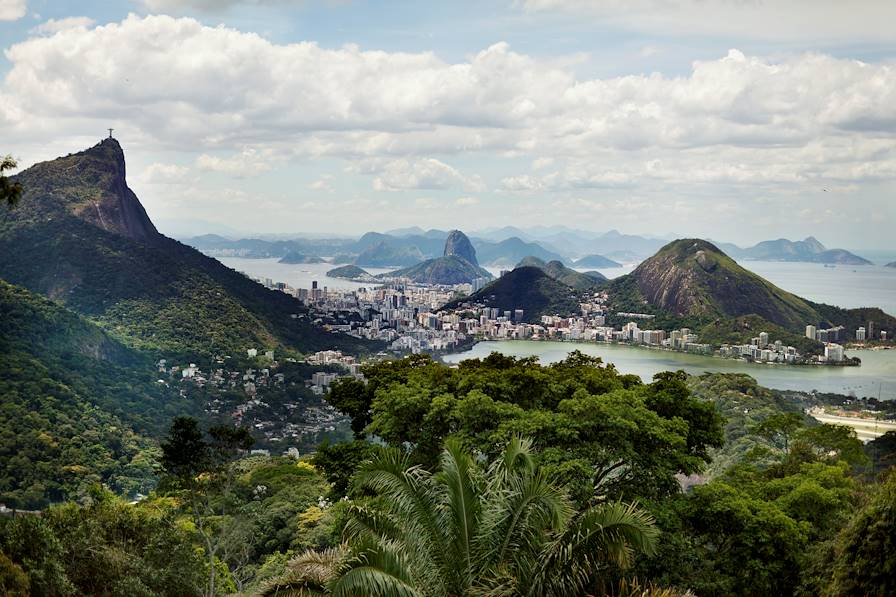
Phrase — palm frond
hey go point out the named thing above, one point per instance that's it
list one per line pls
(605, 534)
(307, 575)
(458, 477)
(375, 570)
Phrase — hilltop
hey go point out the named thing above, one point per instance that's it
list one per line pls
(350, 272)
(563, 274)
(81, 237)
(458, 265)
(527, 288)
(692, 282)
(443, 270)
(596, 261)
(296, 257)
(457, 244)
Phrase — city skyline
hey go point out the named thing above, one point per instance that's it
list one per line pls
(301, 117)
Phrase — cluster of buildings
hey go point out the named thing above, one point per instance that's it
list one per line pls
(399, 313)
(840, 334)
(409, 318)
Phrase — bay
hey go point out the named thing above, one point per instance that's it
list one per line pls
(297, 275)
(876, 376)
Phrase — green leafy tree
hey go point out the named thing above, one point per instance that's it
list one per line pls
(338, 462)
(865, 552)
(602, 434)
(10, 192)
(780, 429)
(502, 529)
(14, 582)
(199, 467)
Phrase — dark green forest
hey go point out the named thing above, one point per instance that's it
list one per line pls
(708, 484)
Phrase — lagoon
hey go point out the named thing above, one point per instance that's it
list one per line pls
(876, 376)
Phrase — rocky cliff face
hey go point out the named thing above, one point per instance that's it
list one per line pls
(91, 185)
(458, 245)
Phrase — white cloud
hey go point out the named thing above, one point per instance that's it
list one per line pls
(785, 125)
(12, 10)
(159, 173)
(250, 162)
(523, 182)
(324, 183)
(780, 20)
(423, 173)
(52, 26)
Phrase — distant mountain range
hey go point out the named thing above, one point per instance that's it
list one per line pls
(808, 251)
(504, 247)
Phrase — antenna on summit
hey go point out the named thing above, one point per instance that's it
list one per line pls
(110, 133)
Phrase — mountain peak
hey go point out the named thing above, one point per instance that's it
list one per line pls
(693, 277)
(814, 245)
(92, 186)
(459, 245)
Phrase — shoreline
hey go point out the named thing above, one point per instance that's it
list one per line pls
(664, 349)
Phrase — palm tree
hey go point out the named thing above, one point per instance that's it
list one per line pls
(501, 530)
(306, 575)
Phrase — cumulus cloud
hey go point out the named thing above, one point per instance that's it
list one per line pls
(423, 173)
(250, 162)
(159, 173)
(52, 26)
(12, 10)
(786, 122)
(324, 183)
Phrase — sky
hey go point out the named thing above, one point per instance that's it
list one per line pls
(736, 120)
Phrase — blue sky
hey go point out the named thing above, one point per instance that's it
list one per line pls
(727, 119)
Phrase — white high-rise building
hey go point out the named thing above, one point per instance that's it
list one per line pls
(810, 332)
(763, 339)
(833, 353)
(860, 334)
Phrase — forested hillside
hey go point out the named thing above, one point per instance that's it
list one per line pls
(72, 238)
(78, 406)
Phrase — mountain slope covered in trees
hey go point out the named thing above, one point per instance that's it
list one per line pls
(81, 237)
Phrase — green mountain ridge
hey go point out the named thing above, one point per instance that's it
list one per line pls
(446, 270)
(563, 274)
(147, 290)
(528, 288)
(691, 282)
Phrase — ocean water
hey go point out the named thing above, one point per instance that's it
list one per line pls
(875, 377)
(297, 275)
